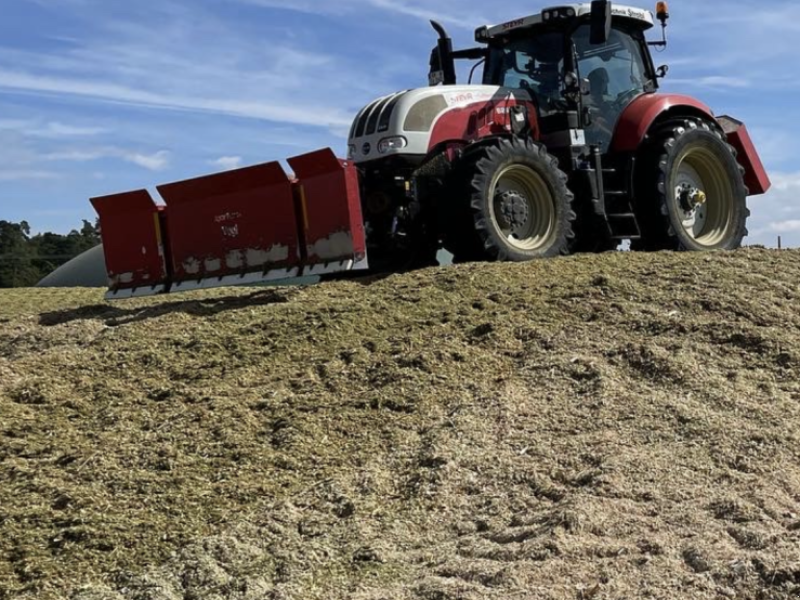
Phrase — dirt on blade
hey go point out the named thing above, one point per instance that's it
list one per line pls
(616, 426)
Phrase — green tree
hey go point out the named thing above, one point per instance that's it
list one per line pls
(26, 259)
(16, 256)
(53, 250)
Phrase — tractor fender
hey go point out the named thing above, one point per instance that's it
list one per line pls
(638, 118)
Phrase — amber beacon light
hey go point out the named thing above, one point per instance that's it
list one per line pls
(662, 11)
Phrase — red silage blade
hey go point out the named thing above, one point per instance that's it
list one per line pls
(232, 228)
(132, 243)
(239, 227)
(330, 205)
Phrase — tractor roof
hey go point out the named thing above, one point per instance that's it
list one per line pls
(638, 15)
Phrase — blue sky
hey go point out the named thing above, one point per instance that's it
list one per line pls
(101, 96)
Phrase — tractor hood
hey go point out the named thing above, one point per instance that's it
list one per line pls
(401, 124)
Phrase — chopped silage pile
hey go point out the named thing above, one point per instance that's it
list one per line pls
(615, 426)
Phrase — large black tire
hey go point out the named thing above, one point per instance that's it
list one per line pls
(511, 203)
(690, 191)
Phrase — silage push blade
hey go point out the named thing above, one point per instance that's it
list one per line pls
(239, 227)
(327, 189)
(232, 228)
(133, 244)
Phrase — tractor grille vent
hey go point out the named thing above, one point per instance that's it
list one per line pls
(376, 117)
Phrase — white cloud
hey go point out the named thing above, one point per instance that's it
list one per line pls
(52, 129)
(777, 212)
(418, 11)
(228, 163)
(281, 111)
(26, 174)
(157, 161)
(787, 182)
(76, 155)
(785, 226)
(57, 129)
(448, 12)
(154, 162)
(714, 81)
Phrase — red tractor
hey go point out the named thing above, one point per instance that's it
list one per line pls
(565, 146)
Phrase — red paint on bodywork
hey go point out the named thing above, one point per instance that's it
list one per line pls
(249, 222)
(755, 175)
(330, 205)
(227, 224)
(639, 116)
(132, 240)
(479, 120)
(638, 119)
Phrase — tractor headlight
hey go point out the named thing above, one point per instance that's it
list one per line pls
(392, 143)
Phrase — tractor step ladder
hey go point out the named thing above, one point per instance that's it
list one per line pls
(622, 221)
(614, 206)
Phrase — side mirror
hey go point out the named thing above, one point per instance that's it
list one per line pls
(586, 87)
(601, 22)
(662, 71)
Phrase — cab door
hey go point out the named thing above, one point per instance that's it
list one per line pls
(617, 72)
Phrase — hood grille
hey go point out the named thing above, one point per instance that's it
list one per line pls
(376, 116)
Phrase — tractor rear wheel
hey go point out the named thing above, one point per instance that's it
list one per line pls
(513, 205)
(690, 190)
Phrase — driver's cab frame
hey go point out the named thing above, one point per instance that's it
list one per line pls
(572, 103)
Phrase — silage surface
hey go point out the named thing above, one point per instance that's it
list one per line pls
(617, 426)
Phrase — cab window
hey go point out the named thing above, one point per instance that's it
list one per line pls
(617, 75)
(534, 63)
(618, 67)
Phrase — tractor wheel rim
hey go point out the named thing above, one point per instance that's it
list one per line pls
(523, 207)
(704, 197)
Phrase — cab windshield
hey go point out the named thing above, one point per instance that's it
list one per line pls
(536, 60)
(615, 69)
(534, 63)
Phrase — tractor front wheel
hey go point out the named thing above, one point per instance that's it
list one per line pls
(514, 205)
(691, 193)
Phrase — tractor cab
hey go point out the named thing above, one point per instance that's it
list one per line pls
(582, 65)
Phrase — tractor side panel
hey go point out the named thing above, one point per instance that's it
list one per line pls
(636, 121)
(480, 120)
